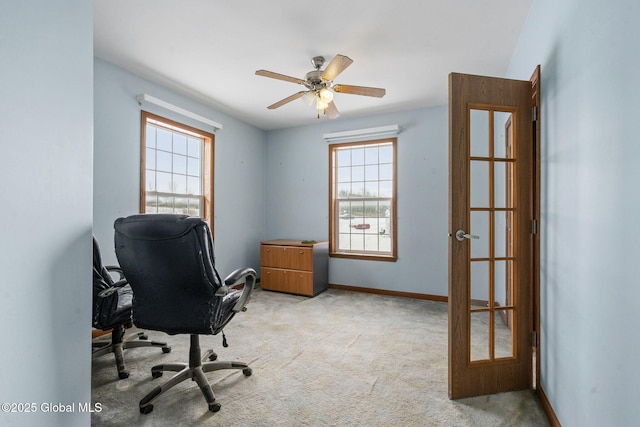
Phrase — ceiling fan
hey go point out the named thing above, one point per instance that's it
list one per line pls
(320, 86)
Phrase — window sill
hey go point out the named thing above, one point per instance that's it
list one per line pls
(364, 256)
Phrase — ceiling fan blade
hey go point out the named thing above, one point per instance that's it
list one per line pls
(336, 66)
(360, 90)
(265, 73)
(287, 100)
(331, 111)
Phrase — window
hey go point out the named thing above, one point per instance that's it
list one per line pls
(363, 200)
(176, 168)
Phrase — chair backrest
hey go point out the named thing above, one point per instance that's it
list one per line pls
(104, 308)
(169, 263)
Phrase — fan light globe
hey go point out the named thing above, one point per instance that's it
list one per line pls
(321, 105)
(326, 95)
(309, 98)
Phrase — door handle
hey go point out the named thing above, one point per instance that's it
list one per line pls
(461, 235)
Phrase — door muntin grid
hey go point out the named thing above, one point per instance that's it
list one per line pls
(492, 216)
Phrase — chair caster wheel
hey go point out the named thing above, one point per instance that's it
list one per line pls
(213, 357)
(123, 374)
(214, 407)
(156, 374)
(146, 409)
(166, 349)
(247, 372)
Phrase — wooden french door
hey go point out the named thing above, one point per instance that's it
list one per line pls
(491, 243)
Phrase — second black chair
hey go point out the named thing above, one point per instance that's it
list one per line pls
(169, 262)
(112, 311)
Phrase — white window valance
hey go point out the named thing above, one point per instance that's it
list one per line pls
(143, 97)
(389, 131)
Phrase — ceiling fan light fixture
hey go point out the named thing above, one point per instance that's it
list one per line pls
(320, 89)
(321, 104)
(326, 95)
(309, 98)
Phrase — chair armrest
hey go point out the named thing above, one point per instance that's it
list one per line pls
(112, 289)
(115, 269)
(248, 275)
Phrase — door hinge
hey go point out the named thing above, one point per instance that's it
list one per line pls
(534, 226)
(534, 339)
(534, 113)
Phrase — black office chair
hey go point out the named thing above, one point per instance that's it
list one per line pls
(169, 262)
(112, 311)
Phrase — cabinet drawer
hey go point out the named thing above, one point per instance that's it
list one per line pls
(295, 282)
(290, 257)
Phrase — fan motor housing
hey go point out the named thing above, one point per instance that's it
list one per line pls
(315, 81)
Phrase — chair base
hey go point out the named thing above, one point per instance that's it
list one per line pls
(118, 343)
(194, 370)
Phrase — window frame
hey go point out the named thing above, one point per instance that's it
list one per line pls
(207, 160)
(333, 205)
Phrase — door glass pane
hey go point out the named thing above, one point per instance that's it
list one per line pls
(479, 127)
(500, 283)
(503, 330)
(503, 282)
(479, 196)
(502, 135)
(502, 233)
(479, 284)
(500, 180)
(479, 338)
(479, 227)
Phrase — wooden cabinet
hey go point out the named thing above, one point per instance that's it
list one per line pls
(294, 267)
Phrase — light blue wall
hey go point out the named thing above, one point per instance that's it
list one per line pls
(46, 132)
(239, 195)
(588, 51)
(298, 198)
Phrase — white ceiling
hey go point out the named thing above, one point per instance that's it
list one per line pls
(210, 49)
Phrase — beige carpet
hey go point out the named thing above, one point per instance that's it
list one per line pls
(339, 359)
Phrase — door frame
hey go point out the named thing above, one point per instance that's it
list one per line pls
(535, 102)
